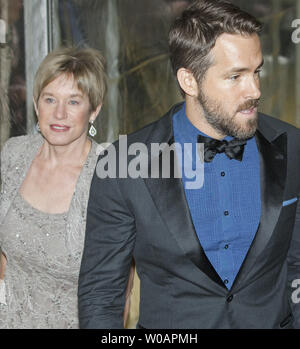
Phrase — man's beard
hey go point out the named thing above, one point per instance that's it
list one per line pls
(227, 124)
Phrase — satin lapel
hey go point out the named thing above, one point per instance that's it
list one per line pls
(169, 197)
(273, 169)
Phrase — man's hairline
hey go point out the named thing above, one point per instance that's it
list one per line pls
(211, 59)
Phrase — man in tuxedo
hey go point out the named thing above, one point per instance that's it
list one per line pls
(227, 254)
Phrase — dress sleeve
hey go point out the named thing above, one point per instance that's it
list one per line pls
(2, 292)
(4, 164)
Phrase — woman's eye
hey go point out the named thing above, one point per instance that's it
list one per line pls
(74, 102)
(49, 100)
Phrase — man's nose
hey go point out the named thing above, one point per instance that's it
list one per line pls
(253, 89)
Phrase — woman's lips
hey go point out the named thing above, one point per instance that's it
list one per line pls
(59, 128)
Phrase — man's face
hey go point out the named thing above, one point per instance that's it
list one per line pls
(229, 93)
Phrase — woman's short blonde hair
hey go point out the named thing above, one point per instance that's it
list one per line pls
(85, 65)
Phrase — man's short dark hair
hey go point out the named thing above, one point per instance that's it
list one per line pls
(193, 35)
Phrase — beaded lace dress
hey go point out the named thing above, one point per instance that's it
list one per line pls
(43, 260)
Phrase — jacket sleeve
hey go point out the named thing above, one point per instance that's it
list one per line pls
(107, 256)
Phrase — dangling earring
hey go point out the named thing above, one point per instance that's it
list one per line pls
(92, 130)
(37, 127)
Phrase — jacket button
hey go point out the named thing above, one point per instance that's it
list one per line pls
(229, 299)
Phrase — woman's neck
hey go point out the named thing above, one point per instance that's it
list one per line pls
(73, 154)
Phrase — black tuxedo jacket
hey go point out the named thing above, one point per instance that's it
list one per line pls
(149, 219)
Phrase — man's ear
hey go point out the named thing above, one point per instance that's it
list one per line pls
(187, 82)
(95, 113)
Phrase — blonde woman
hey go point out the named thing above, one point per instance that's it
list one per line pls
(45, 189)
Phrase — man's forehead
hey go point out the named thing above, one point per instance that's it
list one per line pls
(236, 49)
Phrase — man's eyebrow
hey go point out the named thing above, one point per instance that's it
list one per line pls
(241, 70)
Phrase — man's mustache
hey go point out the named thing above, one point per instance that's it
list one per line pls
(250, 104)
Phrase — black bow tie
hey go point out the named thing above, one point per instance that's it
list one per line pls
(234, 149)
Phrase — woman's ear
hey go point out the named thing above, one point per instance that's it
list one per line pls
(95, 113)
(187, 82)
(35, 108)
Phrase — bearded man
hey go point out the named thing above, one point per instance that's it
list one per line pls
(226, 255)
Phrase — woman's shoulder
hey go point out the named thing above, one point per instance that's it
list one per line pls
(21, 141)
(17, 146)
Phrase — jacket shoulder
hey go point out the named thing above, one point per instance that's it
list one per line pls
(157, 131)
(278, 125)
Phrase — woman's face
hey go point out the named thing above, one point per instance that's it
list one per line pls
(64, 112)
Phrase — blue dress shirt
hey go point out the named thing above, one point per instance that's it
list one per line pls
(226, 209)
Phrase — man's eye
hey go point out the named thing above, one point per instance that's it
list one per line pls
(49, 100)
(234, 77)
(74, 102)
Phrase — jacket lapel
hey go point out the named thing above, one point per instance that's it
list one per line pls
(169, 197)
(273, 169)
